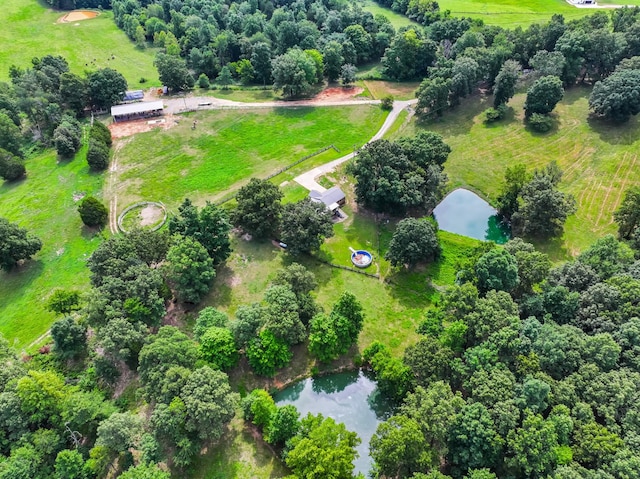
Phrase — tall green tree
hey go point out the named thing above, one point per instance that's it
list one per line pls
(16, 244)
(505, 85)
(628, 213)
(414, 241)
(305, 225)
(322, 445)
(399, 448)
(544, 207)
(615, 97)
(106, 87)
(294, 72)
(11, 167)
(189, 268)
(259, 208)
(543, 96)
(69, 338)
(173, 72)
(497, 269)
(10, 136)
(209, 226)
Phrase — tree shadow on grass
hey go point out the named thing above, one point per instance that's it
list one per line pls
(411, 287)
(616, 133)
(7, 186)
(20, 277)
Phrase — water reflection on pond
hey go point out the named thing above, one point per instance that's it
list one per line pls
(350, 398)
(465, 213)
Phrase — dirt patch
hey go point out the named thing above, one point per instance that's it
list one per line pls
(150, 215)
(77, 15)
(338, 94)
(130, 128)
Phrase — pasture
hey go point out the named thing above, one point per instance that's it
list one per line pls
(45, 204)
(512, 13)
(599, 160)
(30, 30)
(230, 146)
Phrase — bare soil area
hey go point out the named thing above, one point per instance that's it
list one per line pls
(77, 15)
(129, 128)
(337, 94)
(150, 215)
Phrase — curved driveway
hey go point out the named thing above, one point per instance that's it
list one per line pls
(308, 179)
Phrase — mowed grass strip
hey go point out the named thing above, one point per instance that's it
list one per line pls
(30, 30)
(44, 204)
(229, 147)
(599, 160)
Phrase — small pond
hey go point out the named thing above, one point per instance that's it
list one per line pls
(465, 213)
(350, 398)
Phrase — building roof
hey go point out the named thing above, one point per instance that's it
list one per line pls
(330, 197)
(133, 95)
(134, 108)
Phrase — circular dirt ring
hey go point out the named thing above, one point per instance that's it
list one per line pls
(78, 15)
(145, 214)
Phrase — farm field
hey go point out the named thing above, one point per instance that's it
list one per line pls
(599, 160)
(230, 146)
(31, 30)
(44, 203)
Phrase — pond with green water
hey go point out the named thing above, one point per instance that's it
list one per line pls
(465, 213)
(350, 398)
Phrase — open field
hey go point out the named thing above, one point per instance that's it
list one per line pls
(31, 30)
(230, 146)
(599, 160)
(512, 13)
(396, 19)
(243, 456)
(44, 204)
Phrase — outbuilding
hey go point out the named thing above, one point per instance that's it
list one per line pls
(333, 198)
(135, 111)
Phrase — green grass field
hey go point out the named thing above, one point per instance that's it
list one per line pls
(599, 160)
(44, 204)
(396, 19)
(230, 146)
(505, 13)
(30, 30)
(512, 13)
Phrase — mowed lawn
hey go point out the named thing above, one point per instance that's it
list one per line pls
(30, 30)
(228, 147)
(599, 160)
(512, 13)
(44, 204)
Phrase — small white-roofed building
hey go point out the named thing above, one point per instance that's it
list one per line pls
(135, 111)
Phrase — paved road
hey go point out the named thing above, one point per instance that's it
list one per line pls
(308, 179)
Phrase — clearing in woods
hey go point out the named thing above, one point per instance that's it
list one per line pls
(599, 160)
(87, 45)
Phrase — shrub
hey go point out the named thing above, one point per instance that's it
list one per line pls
(386, 103)
(100, 132)
(203, 81)
(67, 138)
(98, 155)
(11, 167)
(540, 123)
(492, 115)
(93, 212)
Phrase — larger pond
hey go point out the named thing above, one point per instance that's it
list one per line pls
(350, 398)
(465, 213)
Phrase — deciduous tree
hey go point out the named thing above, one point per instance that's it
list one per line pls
(414, 241)
(16, 244)
(543, 96)
(259, 208)
(305, 225)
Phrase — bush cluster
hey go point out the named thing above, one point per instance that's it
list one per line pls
(99, 144)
